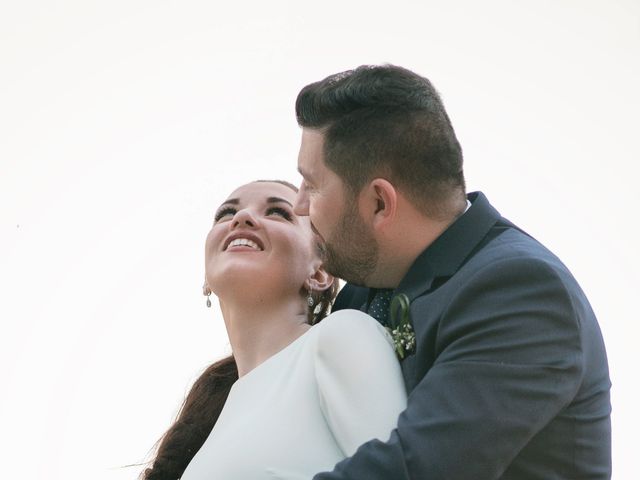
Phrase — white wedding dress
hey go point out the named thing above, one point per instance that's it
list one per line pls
(308, 406)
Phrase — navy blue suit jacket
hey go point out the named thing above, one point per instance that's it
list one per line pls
(509, 379)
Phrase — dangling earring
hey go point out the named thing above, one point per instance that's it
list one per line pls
(207, 291)
(310, 301)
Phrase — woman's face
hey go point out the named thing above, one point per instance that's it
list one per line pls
(257, 242)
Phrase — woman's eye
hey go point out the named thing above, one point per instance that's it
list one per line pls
(225, 212)
(280, 211)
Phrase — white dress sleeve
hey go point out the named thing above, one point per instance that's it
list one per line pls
(359, 379)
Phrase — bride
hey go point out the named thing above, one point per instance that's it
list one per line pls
(297, 395)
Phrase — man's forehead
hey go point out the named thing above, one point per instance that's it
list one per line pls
(310, 159)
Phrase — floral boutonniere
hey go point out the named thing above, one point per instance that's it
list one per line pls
(401, 330)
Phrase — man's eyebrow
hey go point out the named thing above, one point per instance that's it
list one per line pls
(279, 200)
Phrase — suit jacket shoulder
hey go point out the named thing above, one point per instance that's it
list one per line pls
(509, 368)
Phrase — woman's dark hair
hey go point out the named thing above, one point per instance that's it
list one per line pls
(385, 120)
(204, 402)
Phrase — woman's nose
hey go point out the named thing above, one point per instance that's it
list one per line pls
(244, 218)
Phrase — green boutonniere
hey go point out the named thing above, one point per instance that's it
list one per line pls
(401, 330)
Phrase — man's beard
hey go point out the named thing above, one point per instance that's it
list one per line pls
(351, 252)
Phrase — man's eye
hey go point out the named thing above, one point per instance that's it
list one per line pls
(225, 212)
(279, 211)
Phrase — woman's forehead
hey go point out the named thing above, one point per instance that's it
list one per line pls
(256, 191)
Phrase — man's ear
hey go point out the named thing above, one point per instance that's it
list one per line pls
(320, 280)
(378, 202)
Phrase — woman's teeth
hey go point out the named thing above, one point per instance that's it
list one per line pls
(243, 242)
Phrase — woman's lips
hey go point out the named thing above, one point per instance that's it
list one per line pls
(243, 241)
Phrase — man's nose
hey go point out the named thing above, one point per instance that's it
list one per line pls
(301, 204)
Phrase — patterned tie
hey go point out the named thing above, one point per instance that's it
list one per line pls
(379, 306)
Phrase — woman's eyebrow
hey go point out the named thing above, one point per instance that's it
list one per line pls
(279, 200)
(236, 201)
(231, 201)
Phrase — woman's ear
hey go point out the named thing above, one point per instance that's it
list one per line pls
(320, 280)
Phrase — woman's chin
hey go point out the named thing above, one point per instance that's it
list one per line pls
(242, 273)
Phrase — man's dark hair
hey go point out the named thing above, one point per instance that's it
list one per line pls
(390, 122)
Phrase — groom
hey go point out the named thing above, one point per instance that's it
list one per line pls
(508, 376)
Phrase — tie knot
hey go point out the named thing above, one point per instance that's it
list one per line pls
(379, 306)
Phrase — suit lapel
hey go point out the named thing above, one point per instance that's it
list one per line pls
(439, 261)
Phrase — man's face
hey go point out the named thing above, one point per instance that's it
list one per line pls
(352, 251)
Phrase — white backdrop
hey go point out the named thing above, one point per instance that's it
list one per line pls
(124, 123)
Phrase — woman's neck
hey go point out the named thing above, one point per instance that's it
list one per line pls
(258, 331)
